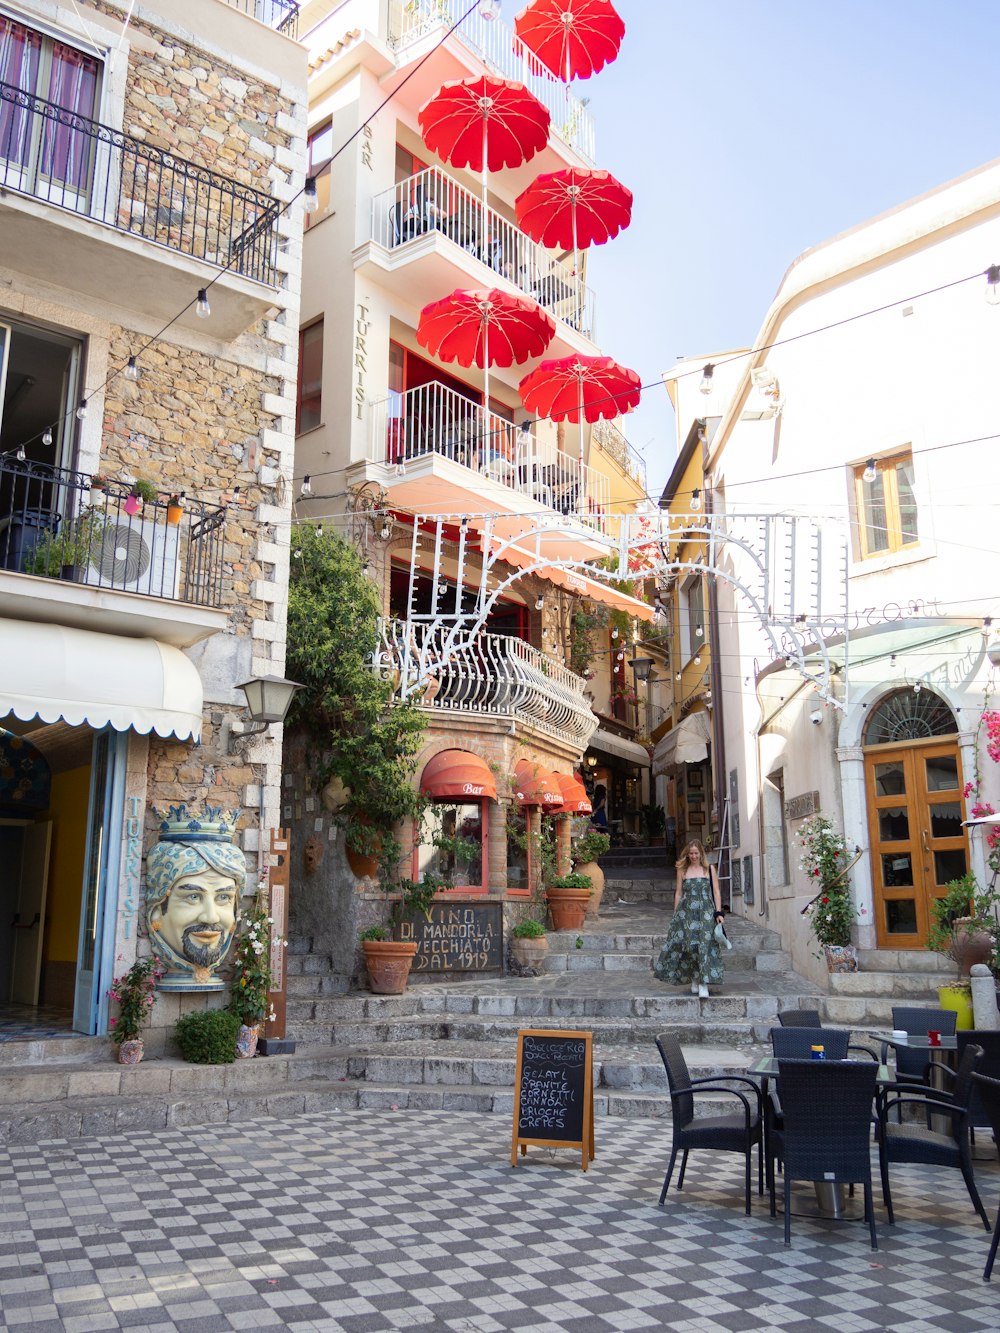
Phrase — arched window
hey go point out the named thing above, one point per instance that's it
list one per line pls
(909, 715)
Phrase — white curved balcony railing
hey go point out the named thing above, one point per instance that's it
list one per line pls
(494, 675)
(502, 53)
(433, 419)
(430, 201)
(616, 446)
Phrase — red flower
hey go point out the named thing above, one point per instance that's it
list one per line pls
(824, 899)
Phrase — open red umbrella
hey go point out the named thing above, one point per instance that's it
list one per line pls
(580, 388)
(485, 328)
(484, 123)
(572, 38)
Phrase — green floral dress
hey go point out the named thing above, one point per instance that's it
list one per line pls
(690, 952)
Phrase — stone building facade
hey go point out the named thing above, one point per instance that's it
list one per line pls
(148, 156)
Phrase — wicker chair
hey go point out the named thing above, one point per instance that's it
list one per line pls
(723, 1133)
(989, 1040)
(826, 1133)
(800, 1018)
(987, 1091)
(911, 1066)
(916, 1143)
(796, 1043)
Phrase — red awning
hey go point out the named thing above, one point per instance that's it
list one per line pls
(457, 775)
(536, 786)
(575, 799)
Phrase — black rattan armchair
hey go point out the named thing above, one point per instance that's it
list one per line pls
(916, 1143)
(826, 1129)
(987, 1092)
(723, 1133)
(800, 1018)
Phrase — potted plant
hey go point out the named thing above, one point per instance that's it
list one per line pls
(568, 897)
(98, 482)
(387, 957)
(175, 509)
(584, 852)
(965, 924)
(134, 995)
(654, 824)
(142, 492)
(528, 945)
(252, 980)
(831, 912)
(63, 553)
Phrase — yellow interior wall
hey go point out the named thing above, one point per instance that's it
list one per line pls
(68, 811)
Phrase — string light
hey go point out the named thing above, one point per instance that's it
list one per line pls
(707, 378)
(132, 370)
(202, 309)
(81, 411)
(310, 199)
(993, 284)
(306, 487)
(539, 602)
(47, 437)
(696, 498)
(489, 9)
(699, 631)
(870, 472)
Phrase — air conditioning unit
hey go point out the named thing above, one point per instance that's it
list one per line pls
(136, 556)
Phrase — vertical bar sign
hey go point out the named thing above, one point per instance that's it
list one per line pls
(554, 1093)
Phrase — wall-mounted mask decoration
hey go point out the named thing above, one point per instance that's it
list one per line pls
(312, 854)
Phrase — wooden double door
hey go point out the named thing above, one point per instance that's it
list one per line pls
(918, 844)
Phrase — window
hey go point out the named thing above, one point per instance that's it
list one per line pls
(775, 833)
(693, 611)
(320, 156)
(452, 844)
(38, 151)
(886, 507)
(309, 405)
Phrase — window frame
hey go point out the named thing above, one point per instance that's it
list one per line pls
(886, 467)
(300, 384)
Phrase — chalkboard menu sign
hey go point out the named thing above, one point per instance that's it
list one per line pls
(457, 935)
(554, 1092)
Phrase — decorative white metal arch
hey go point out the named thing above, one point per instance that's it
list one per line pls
(790, 569)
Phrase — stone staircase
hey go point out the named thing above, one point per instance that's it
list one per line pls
(864, 999)
(447, 1044)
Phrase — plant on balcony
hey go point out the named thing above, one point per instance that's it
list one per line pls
(62, 553)
(144, 491)
(354, 730)
(98, 482)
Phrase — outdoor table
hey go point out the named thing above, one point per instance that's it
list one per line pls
(831, 1200)
(912, 1041)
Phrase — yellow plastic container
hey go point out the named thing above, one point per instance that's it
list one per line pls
(958, 998)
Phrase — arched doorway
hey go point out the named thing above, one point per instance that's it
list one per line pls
(913, 781)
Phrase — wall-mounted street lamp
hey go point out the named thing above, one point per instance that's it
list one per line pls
(642, 666)
(268, 700)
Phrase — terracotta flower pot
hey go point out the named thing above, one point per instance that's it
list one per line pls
(970, 946)
(530, 951)
(567, 907)
(389, 963)
(130, 1052)
(246, 1041)
(596, 875)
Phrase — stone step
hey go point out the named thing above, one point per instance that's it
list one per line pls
(901, 986)
(52, 1051)
(907, 961)
(863, 1011)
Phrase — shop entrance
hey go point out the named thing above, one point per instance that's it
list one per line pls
(61, 803)
(915, 811)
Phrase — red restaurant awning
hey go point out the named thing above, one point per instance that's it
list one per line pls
(575, 800)
(536, 786)
(457, 775)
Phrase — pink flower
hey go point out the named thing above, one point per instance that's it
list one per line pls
(114, 1022)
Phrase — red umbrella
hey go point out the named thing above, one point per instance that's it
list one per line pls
(485, 328)
(484, 123)
(572, 38)
(579, 388)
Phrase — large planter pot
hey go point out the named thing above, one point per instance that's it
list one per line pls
(529, 952)
(596, 875)
(246, 1041)
(841, 957)
(567, 907)
(389, 963)
(959, 999)
(130, 1052)
(970, 946)
(363, 867)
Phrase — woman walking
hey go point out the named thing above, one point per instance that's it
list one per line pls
(690, 952)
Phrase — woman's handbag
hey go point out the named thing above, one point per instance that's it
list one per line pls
(721, 937)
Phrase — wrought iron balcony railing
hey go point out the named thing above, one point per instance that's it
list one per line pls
(125, 183)
(283, 15)
(56, 523)
(503, 53)
(430, 202)
(614, 443)
(433, 419)
(493, 675)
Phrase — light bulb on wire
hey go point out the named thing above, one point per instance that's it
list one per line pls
(306, 487)
(47, 437)
(489, 9)
(696, 498)
(870, 472)
(81, 411)
(202, 309)
(993, 284)
(131, 371)
(707, 377)
(310, 199)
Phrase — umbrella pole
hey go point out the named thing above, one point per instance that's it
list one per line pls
(486, 387)
(580, 404)
(576, 270)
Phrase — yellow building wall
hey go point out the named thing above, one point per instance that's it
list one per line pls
(68, 811)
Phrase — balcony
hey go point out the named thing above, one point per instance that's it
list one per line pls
(282, 15)
(442, 453)
(437, 228)
(615, 445)
(100, 212)
(493, 676)
(503, 53)
(72, 554)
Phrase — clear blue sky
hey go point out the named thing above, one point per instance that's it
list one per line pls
(750, 131)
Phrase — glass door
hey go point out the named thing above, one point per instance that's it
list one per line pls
(918, 843)
(96, 949)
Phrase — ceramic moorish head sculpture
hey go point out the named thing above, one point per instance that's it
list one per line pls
(194, 878)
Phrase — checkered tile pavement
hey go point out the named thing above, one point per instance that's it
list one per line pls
(364, 1221)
